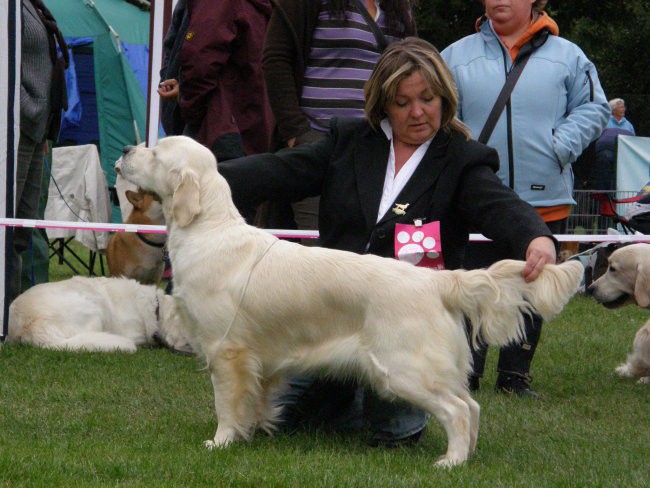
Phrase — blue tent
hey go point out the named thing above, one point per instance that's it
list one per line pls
(107, 81)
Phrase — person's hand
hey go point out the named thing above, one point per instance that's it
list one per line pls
(168, 89)
(540, 252)
(291, 142)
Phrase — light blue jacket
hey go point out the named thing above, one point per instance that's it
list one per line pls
(623, 124)
(556, 109)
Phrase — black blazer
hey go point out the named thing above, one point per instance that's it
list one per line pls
(454, 183)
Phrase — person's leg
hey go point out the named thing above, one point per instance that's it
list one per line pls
(481, 255)
(310, 403)
(305, 212)
(28, 190)
(393, 423)
(515, 360)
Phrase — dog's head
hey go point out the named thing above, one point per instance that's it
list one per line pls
(627, 279)
(145, 204)
(172, 170)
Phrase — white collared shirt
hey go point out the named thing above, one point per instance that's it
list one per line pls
(394, 184)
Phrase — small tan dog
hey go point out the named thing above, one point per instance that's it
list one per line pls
(627, 280)
(134, 255)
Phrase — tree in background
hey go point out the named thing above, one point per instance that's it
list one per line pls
(614, 34)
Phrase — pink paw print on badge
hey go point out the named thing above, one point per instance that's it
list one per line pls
(419, 245)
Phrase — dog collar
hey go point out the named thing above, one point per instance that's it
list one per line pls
(150, 243)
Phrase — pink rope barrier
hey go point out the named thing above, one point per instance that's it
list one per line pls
(281, 233)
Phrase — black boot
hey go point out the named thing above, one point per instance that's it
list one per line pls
(514, 362)
(473, 382)
(515, 384)
(479, 354)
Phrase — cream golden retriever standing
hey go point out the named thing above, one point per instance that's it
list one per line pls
(258, 308)
(95, 314)
(627, 280)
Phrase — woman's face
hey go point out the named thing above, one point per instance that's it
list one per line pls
(509, 12)
(619, 111)
(416, 113)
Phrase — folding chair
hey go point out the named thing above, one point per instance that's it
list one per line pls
(607, 210)
(60, 247)
(77, 193)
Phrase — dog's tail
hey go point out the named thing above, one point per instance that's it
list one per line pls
(495, 299)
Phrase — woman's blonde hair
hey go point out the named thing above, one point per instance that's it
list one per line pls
(400, 60)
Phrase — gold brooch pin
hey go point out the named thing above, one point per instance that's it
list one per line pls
(400, 208)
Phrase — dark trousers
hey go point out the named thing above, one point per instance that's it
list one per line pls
(514, 358)
(29, 172)
(343, 406)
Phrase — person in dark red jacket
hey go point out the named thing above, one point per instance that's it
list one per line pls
(223, 99)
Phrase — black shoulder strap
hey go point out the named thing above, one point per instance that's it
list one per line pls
(511, 80)
(379, 35)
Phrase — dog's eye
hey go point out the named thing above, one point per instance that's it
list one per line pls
(612, 269)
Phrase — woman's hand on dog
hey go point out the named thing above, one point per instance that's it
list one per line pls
(540, 252)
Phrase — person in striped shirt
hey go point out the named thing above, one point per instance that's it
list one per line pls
(317, 56)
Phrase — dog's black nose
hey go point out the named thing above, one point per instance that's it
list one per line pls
(126, 149)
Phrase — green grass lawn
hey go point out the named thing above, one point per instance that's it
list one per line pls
(89, 419)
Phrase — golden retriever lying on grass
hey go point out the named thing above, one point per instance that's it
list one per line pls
(95, 314)
(258, 308)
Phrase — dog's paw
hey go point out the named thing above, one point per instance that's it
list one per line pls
(211, 444)
(223, 438)
(645, 380)
(624, 371)
(448, 462)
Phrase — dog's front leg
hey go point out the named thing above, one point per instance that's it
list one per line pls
(226, 431)
(236, 384)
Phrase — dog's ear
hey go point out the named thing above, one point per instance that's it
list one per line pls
(185, 201)
(642, 286)
(134, 197)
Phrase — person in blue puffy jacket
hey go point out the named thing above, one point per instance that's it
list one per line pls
(555, 110)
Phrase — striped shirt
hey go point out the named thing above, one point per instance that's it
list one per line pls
(343, 54)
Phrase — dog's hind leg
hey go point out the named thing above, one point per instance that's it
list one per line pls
(236, 383)
(453, 412)
(474, 416)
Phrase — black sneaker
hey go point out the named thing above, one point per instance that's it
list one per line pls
(405, 441)
(517, 385)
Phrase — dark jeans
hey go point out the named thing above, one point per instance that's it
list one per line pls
(514, 358)
(313, 403)
(29, 172)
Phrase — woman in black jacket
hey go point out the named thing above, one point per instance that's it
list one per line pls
(410, 160)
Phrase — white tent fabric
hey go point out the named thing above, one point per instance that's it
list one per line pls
(632, 163)
(160, 16)
(78, 192)
(10, 122)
